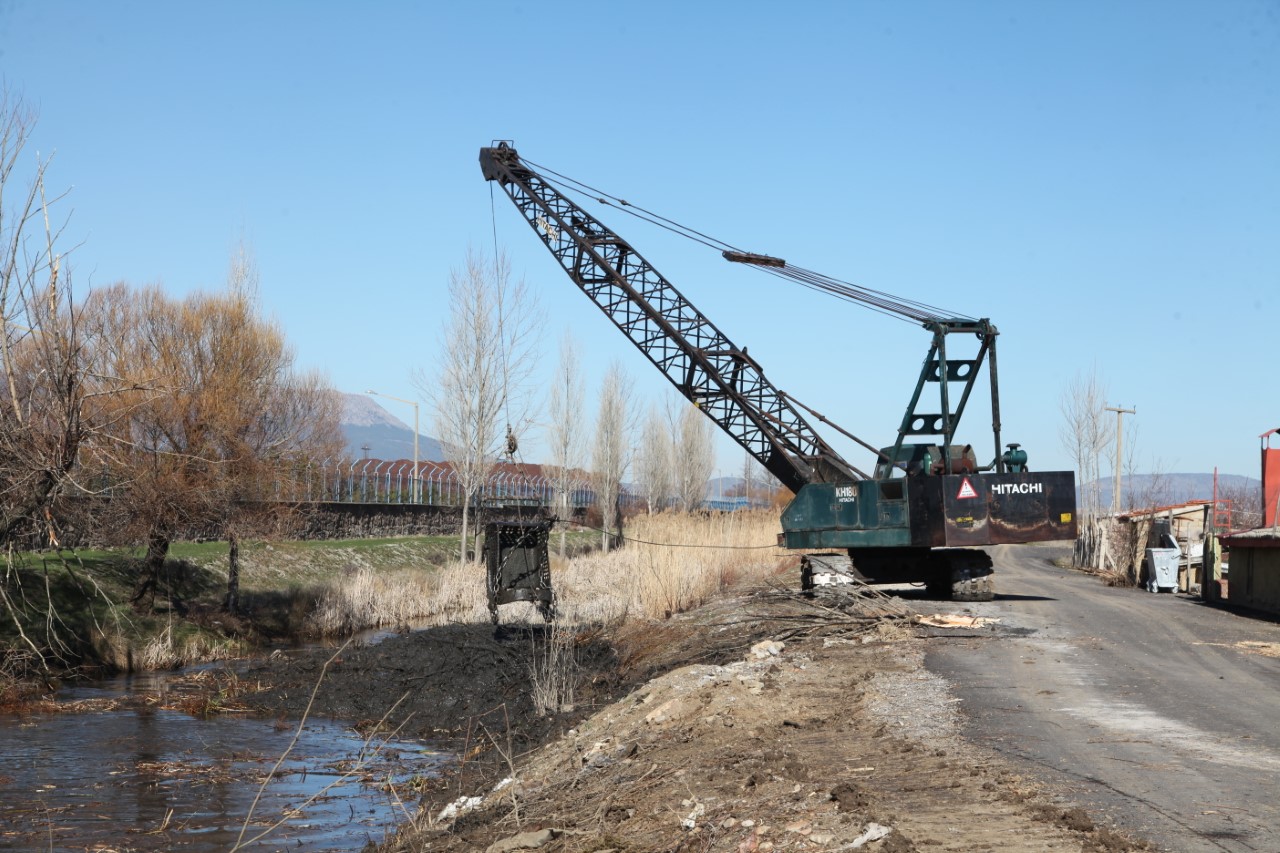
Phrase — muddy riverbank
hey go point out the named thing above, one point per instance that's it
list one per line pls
(759, 722)
(161, 762)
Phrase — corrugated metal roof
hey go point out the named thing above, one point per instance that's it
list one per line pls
(1262, 537)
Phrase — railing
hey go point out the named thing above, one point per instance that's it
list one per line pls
(393, 482)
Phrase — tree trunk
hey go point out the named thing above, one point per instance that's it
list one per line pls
(233, 574)
(564, 520)
(462, 547)
(617, 542)
(152, 566)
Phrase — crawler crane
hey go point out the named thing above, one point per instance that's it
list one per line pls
(928, 506)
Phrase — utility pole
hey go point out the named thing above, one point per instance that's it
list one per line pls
(415, 488)
(1120, 413)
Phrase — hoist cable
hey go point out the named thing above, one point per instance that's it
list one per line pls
(876, 300)
(649, 216)
(625, 538)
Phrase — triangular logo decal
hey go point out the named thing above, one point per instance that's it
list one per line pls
(966, 490)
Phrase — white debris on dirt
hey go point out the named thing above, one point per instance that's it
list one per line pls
(767, 649)
(460, 806)
(956, 620)
(464, 804)
(873, 832)
(691, 820)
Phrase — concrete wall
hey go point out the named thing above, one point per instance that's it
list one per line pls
(376, 521)
(1254, 578)
(80, 525)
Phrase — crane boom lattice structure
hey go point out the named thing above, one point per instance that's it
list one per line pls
(929, 505)
(698, 359)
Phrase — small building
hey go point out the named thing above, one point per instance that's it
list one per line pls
(1186, 521)
(1145, 528)
(1255, 569)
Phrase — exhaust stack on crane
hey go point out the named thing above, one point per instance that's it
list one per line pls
(919, 516)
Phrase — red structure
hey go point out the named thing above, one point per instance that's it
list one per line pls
(1270, 479)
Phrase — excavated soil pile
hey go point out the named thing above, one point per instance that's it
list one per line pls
(761, 722)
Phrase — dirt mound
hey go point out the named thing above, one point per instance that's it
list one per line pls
(759, 723)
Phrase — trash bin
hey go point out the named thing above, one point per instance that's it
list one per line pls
(1162, 565)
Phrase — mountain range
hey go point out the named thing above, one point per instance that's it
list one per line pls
(1148, 490)
(374, 433)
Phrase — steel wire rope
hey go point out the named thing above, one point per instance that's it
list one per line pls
(626, 538)
(517, 459)
(649, 216)
(502, 337)
(819, 283)
(876, 300)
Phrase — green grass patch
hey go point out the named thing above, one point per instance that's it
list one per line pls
(73, 607)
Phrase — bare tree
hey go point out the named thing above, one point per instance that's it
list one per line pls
(1086, 433)
(565, 435)
(42, 388)
(654, 462)
(210, 423)
(611, 450)
(41, 424)
(695, 458)
(483, 376)
(1242, 505)
(754, 479)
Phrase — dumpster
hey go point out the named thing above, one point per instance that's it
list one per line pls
(1162, 565)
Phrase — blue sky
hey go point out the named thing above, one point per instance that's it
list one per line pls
(1102, 180)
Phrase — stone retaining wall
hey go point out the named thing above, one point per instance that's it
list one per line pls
(79, 527)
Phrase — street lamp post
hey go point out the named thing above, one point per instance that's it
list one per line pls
(417, 486)
(1120, 413)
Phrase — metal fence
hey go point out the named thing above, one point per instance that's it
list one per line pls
(381, 481)
(390, 482)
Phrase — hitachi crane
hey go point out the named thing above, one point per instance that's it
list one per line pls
(928, 506)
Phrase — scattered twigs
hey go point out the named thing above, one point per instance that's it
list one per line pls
(844, 609)
(366, 754)
(553, 669)
(292, 743)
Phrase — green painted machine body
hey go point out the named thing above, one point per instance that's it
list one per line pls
(932, 511)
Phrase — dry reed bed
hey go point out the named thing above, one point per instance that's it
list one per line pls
(365, 598)
(671, 562)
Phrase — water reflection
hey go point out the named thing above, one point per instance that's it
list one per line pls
(144, 778)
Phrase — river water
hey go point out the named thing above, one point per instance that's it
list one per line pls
(114, 770)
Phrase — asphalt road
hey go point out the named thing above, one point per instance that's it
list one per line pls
(1152, 711)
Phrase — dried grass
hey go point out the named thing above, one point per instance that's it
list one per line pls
(364, 598)
(671, 562)
(164, 652)
(554, 670)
